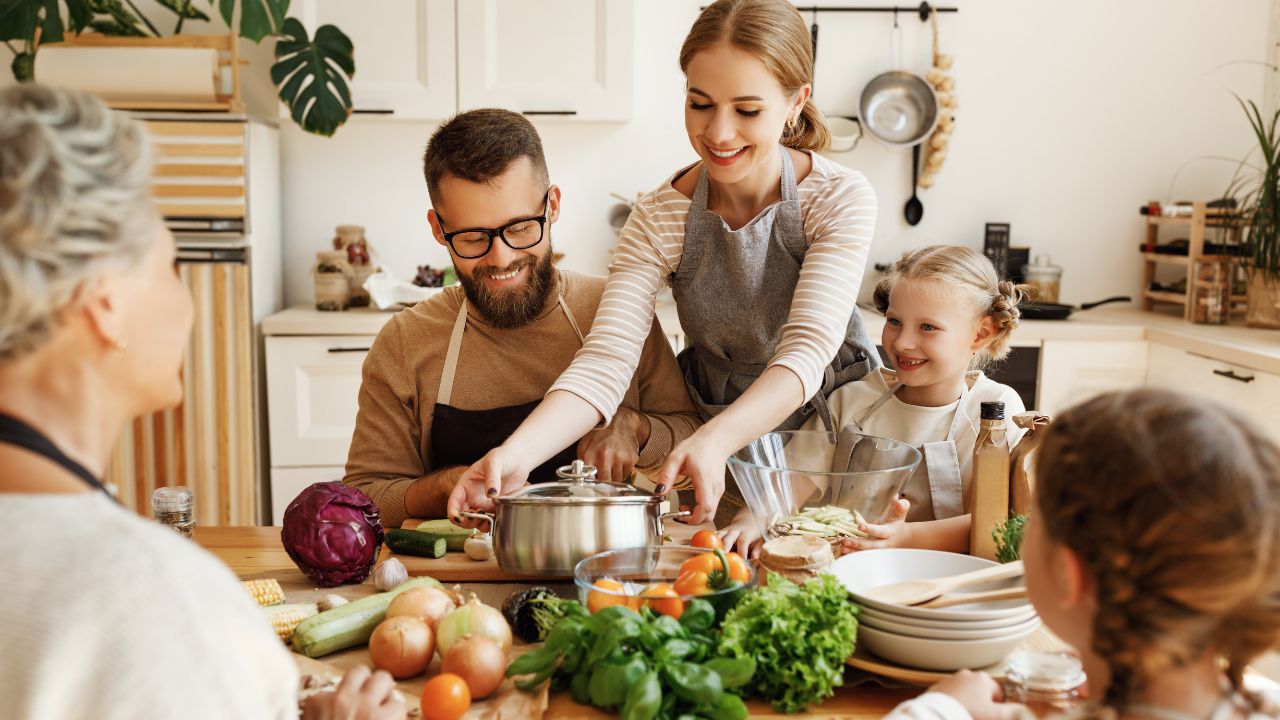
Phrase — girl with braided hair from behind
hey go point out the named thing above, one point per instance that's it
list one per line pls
(947, 316)
(1154, 549)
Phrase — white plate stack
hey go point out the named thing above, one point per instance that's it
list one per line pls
(963, 636)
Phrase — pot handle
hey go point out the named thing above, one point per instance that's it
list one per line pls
(478, 516)
(662, 530)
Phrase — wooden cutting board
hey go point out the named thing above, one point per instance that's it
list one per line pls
(457, 567)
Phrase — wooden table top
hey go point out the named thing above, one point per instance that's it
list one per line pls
(253, 552)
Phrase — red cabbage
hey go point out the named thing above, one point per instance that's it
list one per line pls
(333, 533)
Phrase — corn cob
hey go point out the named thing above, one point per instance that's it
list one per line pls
(285, 618)
(265, 591)
(350, 624)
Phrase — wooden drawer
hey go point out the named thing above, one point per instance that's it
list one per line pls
(1252, 392)
(1072, 371)
(313, 387)
(287, 482)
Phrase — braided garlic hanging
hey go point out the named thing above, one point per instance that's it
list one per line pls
(936, 146)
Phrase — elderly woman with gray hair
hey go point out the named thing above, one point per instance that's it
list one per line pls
(106, 615)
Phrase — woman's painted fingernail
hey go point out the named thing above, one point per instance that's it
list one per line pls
(493, 491)
(660, 489)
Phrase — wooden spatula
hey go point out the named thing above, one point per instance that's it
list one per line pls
(978, 597)
(914, 592)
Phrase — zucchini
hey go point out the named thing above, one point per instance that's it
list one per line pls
(414, 542)
(350, 624)
(454, 536)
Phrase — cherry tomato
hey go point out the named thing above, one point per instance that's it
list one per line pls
(614, 594)
(663, 598)
(707, 539)
(692, 583)
(445, 697)
(739, 569)
(702, 562)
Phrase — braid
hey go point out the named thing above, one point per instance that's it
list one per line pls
(1005, 313)
(1182, 550)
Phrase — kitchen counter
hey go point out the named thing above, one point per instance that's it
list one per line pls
(1236, 344)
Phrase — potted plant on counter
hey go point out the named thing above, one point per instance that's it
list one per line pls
(310, 73)
(1261, 210)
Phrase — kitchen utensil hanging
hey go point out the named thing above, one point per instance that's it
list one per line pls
(900, 109)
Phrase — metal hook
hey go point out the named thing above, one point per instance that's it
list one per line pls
(895, 18)
(924, 11)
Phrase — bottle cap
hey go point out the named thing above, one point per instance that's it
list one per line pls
(172, 499)
(993, 410)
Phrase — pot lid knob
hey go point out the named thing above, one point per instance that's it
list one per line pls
(578, 472)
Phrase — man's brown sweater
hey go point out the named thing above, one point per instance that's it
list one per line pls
(391, 447)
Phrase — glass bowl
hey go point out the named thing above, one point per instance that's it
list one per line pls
(784, 473)
(637, 568)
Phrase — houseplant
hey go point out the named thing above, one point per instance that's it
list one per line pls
(1261, 207)
(310, 73)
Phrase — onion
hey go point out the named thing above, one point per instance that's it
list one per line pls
(428, 604)
(479, 661)
(474, 618)
(402, 646)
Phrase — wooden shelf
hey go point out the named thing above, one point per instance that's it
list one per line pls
(1184, 260)
(1201, 218)
(1165, 296)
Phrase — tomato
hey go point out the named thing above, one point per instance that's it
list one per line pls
(702, 562)
(738, 568)
(693, 583)
(445, 697)
(707, 539)
(663, 598)
(597, 601)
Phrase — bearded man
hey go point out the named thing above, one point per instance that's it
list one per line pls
(450, 378)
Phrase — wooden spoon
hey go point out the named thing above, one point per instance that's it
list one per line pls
(970, 598)
(914, 592)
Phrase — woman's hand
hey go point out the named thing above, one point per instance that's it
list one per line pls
(742, 535)
(499, 472)
(893, 533)
(360, 696)
(701, 457)
(980, 695)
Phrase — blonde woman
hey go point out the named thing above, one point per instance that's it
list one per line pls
(763, 242)
(106, 615)
(1154, 550)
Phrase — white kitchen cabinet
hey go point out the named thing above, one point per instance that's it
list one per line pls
(570, 58)
(1072, 371)
(287, 482)
(313, 388)
(1252, 392)
(404, 51)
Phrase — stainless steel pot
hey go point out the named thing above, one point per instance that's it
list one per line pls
(544, 530)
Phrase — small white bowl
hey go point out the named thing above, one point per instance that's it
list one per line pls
(945, 655)
(845, 133)
(867, 569)
(899, 628)
(873, 615)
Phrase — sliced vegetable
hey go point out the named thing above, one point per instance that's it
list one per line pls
(413, 542)
(285, 618)
(350, 624)
(265, 591)
(454, 536)
(829, 522)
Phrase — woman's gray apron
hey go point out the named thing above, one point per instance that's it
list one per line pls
(935, 489)
(733, 293)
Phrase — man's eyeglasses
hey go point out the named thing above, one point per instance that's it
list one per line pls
(522, 234)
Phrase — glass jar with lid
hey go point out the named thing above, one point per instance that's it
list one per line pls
(1044, 277)
(175, 507)
(1047, 682)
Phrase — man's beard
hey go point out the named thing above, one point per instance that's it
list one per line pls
(517, 306)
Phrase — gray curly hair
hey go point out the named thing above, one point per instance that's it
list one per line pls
(74, 201)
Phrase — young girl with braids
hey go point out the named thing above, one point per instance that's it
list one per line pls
(1154, 549)
(947, 315)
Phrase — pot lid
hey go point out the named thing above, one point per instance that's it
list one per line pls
(578, 486)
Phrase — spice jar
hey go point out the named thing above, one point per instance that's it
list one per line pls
(1048, 683)
(174, 506)
(1045, 279)
(332, 277)
(1211, 295)
(798, 558)
(350, 239)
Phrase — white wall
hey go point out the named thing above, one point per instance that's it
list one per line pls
(1071, 116)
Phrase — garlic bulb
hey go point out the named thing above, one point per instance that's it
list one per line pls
(330, 601)
(389, 574)
(479, 547)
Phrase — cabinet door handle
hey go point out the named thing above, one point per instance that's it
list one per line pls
(373, 111)
(1232, 375)
(549, 112)
(360, 349)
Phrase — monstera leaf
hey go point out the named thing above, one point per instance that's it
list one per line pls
(312, 76)
(258, 18)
